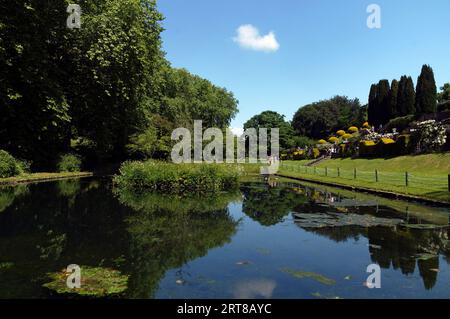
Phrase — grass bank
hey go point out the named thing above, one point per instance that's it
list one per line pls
(178, 178)
(41, 177)
(423, 176)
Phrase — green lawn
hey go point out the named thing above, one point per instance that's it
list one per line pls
(427, 174)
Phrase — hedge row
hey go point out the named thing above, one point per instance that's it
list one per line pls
(386, 147)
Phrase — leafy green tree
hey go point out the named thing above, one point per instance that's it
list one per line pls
(117, 72)
(406, 96)
(270, 119)
(318, 120)
(445, 94)
(34, 111)
(426, 91)
(187, 97)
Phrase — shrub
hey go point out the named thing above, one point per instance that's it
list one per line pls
(69, 163)
(8, 165)
(322, 142)
(340, 132)
(177, 178)
(366, 125)
(316, 152)
(386, 147)
(444, 106)
(298, 155)
(347, 136)
(399, 123)
(333, 139)
(353, 129)
(367, 149)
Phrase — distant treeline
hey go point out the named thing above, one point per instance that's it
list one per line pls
(103, 90)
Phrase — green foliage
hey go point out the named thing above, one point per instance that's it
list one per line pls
(315, 153)
(367, 149)
(9, 166)
(319, 119)
(399, 123)
(187, 97)
(406, 97)
(426, 91)
(99, 88)
(96, 283)
(177, 178)
(393, 95)
(383, 106)
(270, 119)
(386, 147)
(445, 94)
(69, 163)
(444, 106)
(144, 144)
(372, 106)
(269, 205)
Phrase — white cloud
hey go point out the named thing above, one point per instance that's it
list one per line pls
(238, 131)
(248, 37)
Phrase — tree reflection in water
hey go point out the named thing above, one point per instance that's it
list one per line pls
(399, 247)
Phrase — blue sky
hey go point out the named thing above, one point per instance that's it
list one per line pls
(325, 47)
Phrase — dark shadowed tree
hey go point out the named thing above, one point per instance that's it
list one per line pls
(372, 106)
(393, 93)
(383, 102)
(426, 91)
(406, 96)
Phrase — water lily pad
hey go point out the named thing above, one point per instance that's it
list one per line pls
(311, 275)
(331, 219)
(95, 282)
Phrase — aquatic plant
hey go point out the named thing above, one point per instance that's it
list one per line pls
(177, 178)
(95, 283)
(299, 274)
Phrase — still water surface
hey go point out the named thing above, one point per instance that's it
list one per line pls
(267, 240)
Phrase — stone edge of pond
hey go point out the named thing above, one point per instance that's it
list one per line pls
(53, 177)
(379, 192)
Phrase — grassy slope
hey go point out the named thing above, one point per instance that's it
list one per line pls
(428, 174)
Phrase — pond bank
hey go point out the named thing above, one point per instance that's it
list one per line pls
(379, 192)
(41, 177)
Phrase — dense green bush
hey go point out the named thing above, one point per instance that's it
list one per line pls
(9, 166)
(386, 147)
(177, 178)
(69, 163)
(399, 123)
